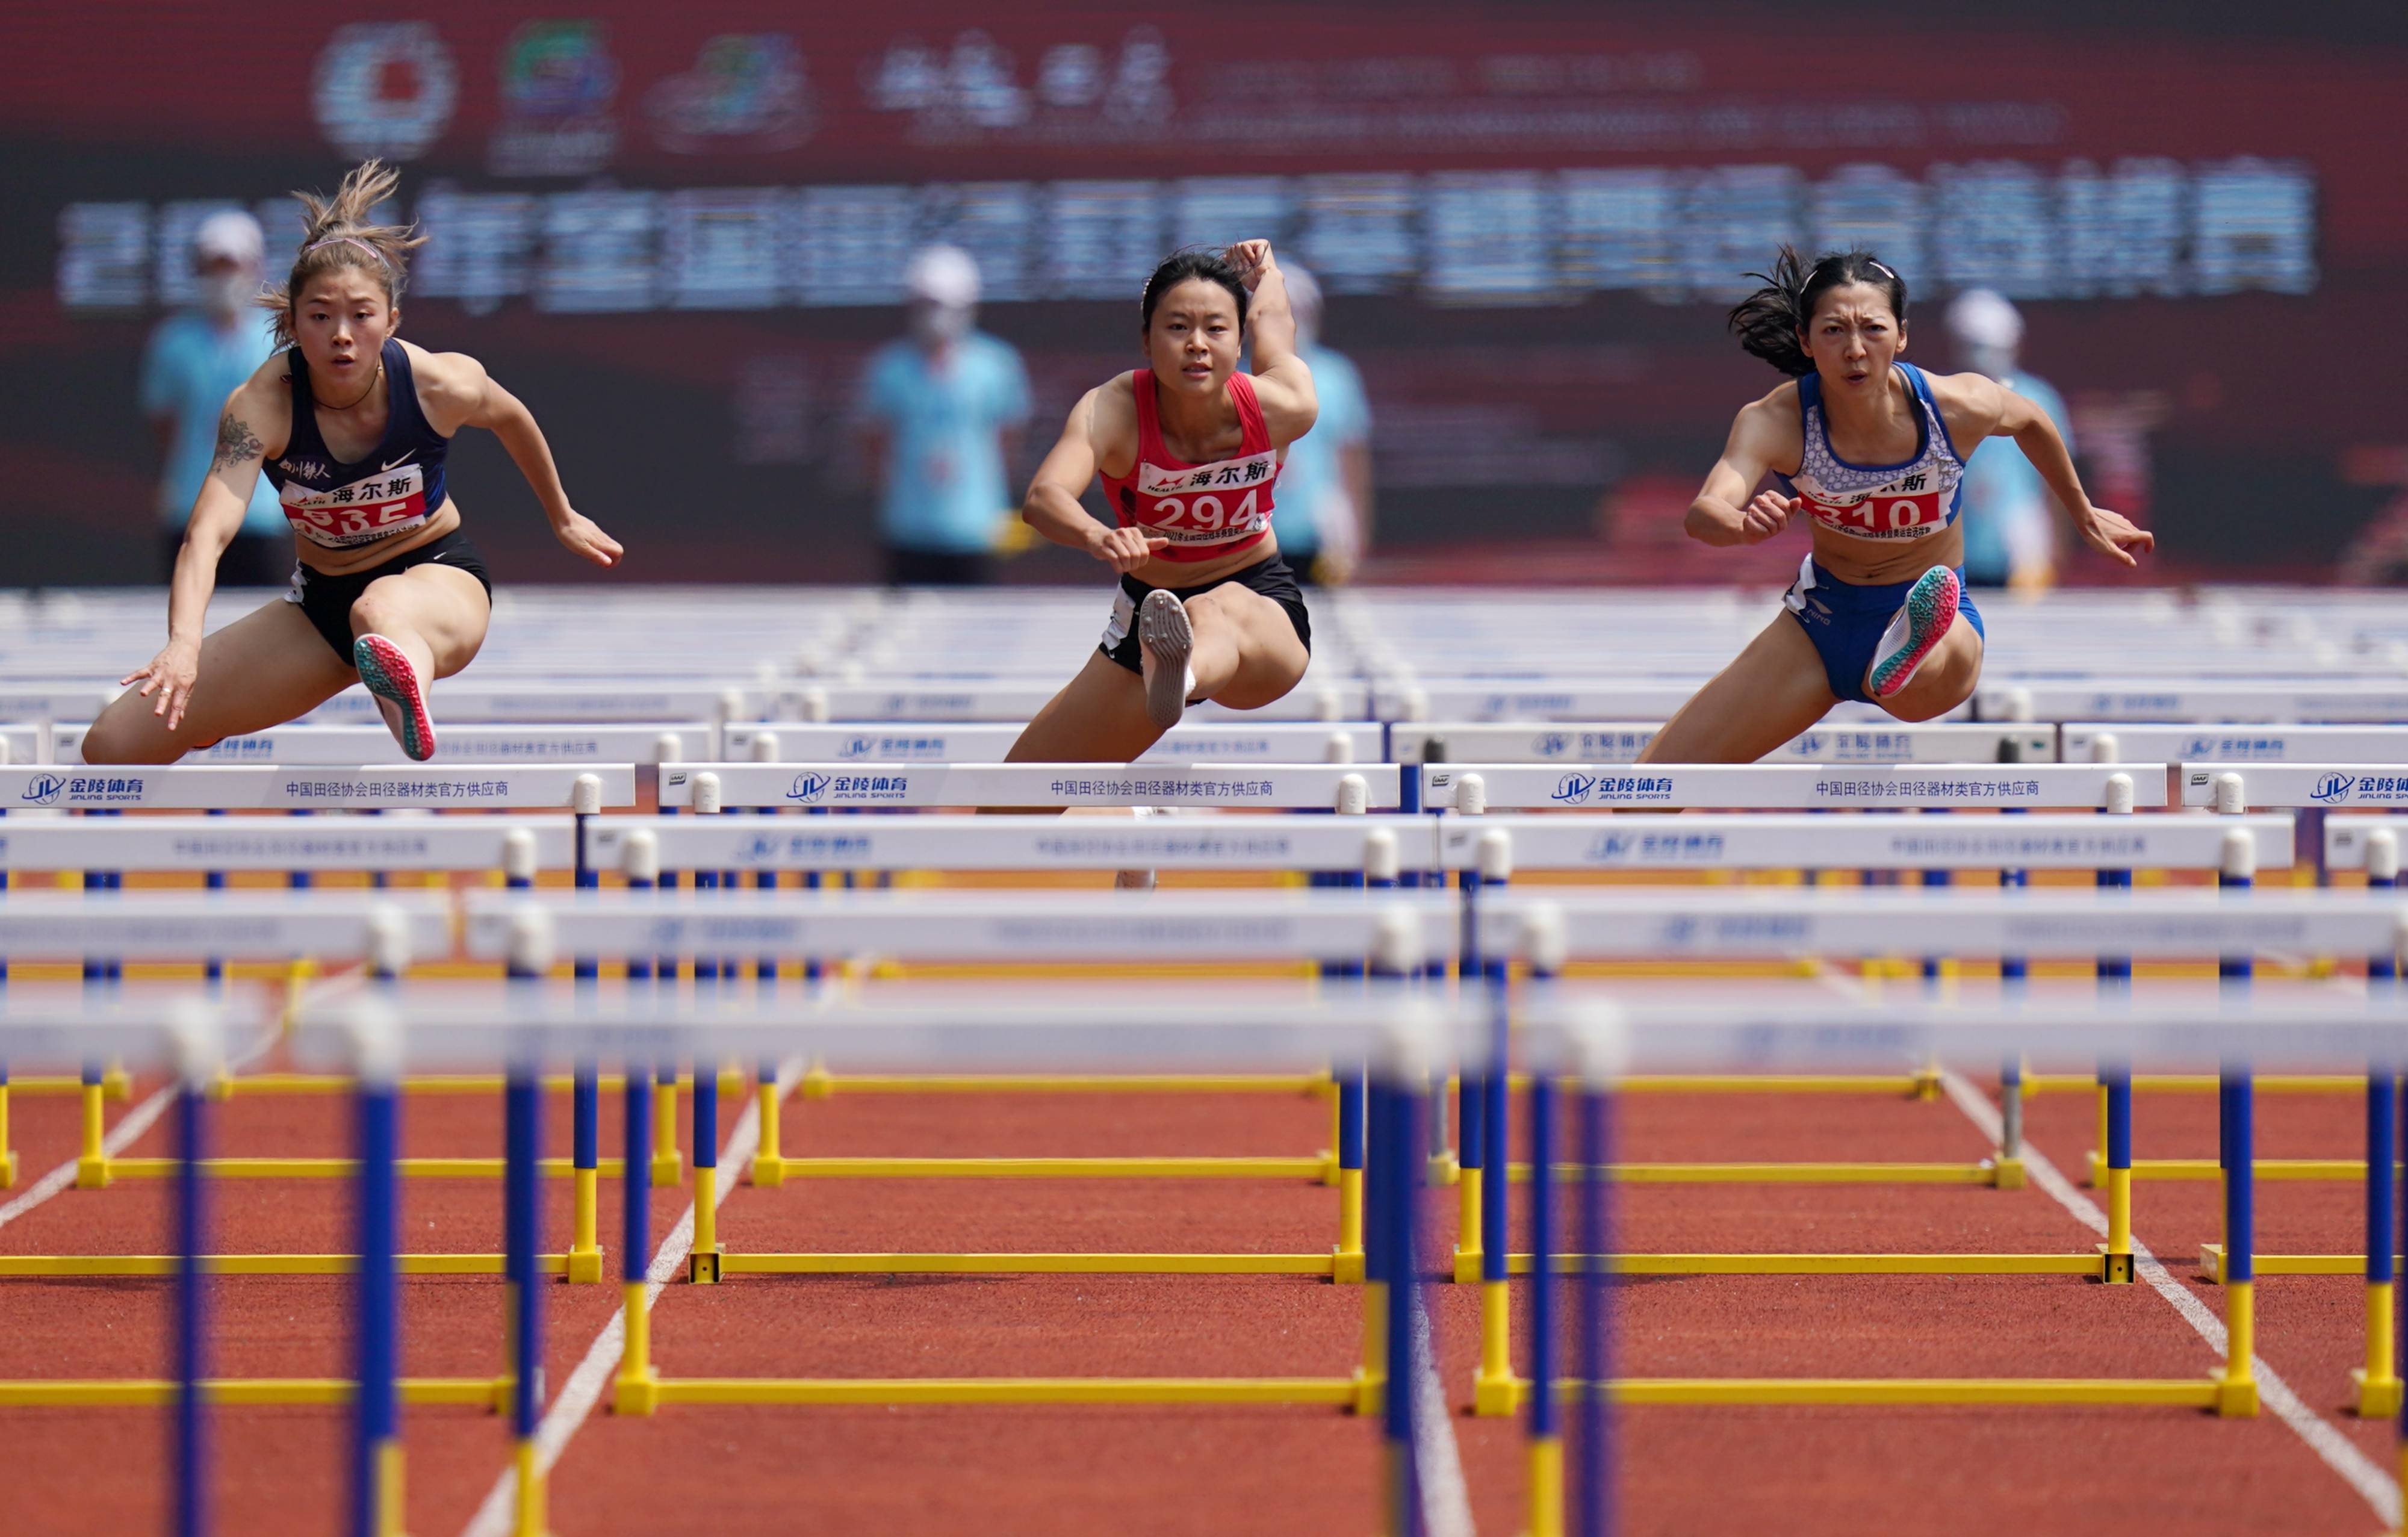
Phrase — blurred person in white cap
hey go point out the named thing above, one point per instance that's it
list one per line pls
(2009, 534)
(1326, 484)
(195, 359)
(942, 412)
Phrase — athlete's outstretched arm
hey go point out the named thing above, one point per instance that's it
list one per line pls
(2001, 413)
(1723, 515)
(217, 512)
(1053, 507)
(1282, 381)
(458, 387)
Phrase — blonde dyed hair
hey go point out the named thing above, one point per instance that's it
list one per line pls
(340, 234)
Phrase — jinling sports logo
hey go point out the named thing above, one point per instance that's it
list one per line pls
(1574, 789)
(2332, 789)
(811, 789)
(1551, 745)
(42, 790)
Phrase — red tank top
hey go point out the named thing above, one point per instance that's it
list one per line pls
(1205, 511)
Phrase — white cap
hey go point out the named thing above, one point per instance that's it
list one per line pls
(1984, 316)
(229, 234)
(942, 275)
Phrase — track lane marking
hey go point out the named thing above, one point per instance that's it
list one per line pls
(2325, 1439)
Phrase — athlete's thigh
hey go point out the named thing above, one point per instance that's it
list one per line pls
(1271, 656)
(445, 606)
(262, 670)
(1946, 679)
(1771, 692)
(1098, 717)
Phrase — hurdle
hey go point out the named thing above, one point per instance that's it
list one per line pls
(1729, 924)
(959, 741)
(1898, 742)
(454, 1027)
(992, 926)
(1511, 786)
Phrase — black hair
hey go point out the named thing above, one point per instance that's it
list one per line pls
(1770, 323)
(1195, 262)
(342, 232)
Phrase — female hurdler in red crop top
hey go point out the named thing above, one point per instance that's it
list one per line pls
(1188, 450)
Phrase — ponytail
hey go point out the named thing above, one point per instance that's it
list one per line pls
(339, 235)
(1770, 323)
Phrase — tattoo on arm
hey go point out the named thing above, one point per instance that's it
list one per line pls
(237, 442)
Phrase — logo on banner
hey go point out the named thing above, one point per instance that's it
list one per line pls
(1574, 789)
(811, 789)
(384, 88)
(42, 790)
(858, 747)
(558, 84)
(746, 91)
(1551, 745)
(2332, 789)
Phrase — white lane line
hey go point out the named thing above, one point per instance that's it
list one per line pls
(1437, 1463)
(128, 1131)
(2337, 1451)
(600, 1367)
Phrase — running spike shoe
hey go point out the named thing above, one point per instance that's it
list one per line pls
(1913, 632)
(1164, 640)
(389, 676)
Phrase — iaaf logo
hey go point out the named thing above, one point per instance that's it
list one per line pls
(1574, 789)
(810, 789)
(42, 790)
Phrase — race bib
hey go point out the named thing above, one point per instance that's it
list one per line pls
(1218, 503)
(372, 507)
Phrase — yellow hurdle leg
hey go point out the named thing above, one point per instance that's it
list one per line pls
(2099, 1158)
(530, 1515)
(585, 1248)
(702, 1265)
(2236, 1385)
(1466, 1226)
(769, 1163)
(1330, 1173)
(389, 1503)
(2117, 1266)
(91, 1164)
(1547, 1486)
(7, 1158)
(638, 1388)
(1371, 1375)
(2378, 1383)
(1347, 1266)
(1492, 1390)
(668, 1164)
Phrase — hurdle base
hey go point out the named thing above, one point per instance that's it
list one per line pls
(1329, 1168)
(1368, 1394)
(2374, 1398)
(768, 1170)
(668, 1170)
(1443, 1170)
(2234, 1399)
(2208, 1168)
(121, 1266)
(93, 1173)
(7, 1171)
(1494, 1396)
(1346, 1266)
(637, 1393)
(1467, 1266)
(702, 1267)
(1925, 1085)
(2211, 1264)
(2007, 1173)
(755, 1262)
(2114, 1269)
(584, 1266)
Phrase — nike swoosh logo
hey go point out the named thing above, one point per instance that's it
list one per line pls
(403, 460)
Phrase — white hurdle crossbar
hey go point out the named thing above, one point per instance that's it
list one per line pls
(1789, 787)
(2225, 786)
(512, 844)
(1802, 840)
(2239, 743)
(1622, 741)
(1261, 786)
(640, 846)
(955, 741)
(515, 787)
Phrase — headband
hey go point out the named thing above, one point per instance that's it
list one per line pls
(1839, 256)
(348, 240)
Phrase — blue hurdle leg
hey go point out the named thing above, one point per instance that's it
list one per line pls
(377, 1452)
(702, 1265)
(2115, 1267)
(522, 1096)
(1545, 1425)
(2237, 1387)
(585, 1158)
(191, 1321)
(2378, 1381)
(638, 1388)
(1593, 1509)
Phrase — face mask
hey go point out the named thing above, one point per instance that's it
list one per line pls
(941, 325)
(223, 294)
